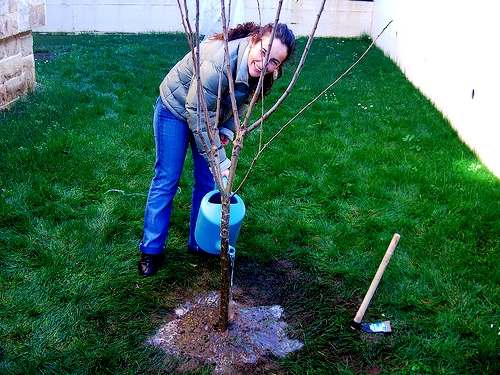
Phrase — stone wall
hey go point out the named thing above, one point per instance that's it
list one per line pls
(17, 65)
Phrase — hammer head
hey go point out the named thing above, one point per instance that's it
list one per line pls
(377, 327)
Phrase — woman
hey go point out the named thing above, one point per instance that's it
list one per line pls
(175, 120)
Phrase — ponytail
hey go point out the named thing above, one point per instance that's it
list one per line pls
(241, 31)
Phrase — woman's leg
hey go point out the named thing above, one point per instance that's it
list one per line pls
(203, 183)
(171, 139)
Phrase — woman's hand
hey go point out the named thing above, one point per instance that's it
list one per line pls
(223, 139)
(224, 167)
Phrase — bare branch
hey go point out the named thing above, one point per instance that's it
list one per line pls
(261, 130)
(184, 25)
(210, 150)
(238, 143)
(228, 68)
(219, 95)
(261, 127)
(195, 53)
(229, 14)
(260, 15)
(295, 75)
(264, 67)
(309, 104)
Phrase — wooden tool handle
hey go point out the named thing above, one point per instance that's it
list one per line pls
(373, 286)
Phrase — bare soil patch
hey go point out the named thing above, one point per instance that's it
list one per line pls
(258, 332)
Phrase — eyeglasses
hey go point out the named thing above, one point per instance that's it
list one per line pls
(273, 63)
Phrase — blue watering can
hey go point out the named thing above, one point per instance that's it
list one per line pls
(207, 232)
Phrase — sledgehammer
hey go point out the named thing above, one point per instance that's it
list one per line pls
(377, 327)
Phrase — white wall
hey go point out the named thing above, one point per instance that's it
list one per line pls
(340, 18)
(448, 49)
(112, 16)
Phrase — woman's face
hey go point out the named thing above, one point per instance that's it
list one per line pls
(257, 55)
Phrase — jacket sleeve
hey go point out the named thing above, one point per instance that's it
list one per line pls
(227, 127)
(209, 74)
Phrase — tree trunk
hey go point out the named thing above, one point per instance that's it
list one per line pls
(241, 131)
(225, 266)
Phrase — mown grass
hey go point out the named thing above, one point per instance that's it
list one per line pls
(371, 158)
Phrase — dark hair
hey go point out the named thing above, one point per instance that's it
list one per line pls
(283, 34)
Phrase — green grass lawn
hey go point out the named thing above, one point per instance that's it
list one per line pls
(371, 158)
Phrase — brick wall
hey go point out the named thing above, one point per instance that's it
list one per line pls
(17, 65)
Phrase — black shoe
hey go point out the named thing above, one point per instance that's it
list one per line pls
(149, 264)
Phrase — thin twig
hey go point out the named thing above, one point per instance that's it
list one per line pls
(219, 94)
(188, 37)
(229, 73)
(260, 15)
(263, 68)
(309, 104)
(212, 155)
(261, 127)
(200, 92)
(229, 14)
(238, 142)
(261, 130)
(219, 88)
(188, 31)
(295, 75)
